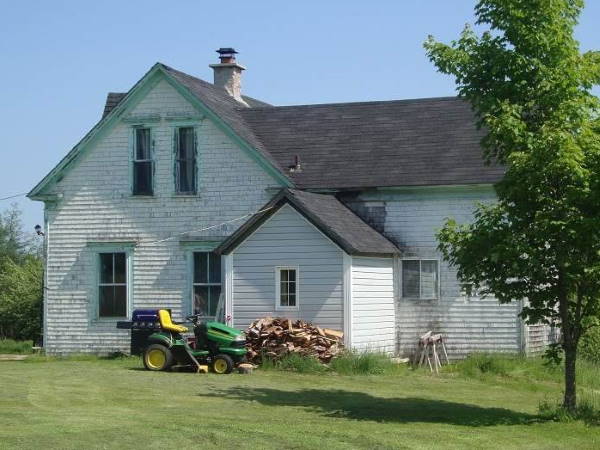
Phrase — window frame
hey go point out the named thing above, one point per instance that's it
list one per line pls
(96, 249)
(176, 160)
(134, 160)
(401, 278)
(193, 284)
(278, 305)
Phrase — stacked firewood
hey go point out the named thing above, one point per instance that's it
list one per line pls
(276, 337)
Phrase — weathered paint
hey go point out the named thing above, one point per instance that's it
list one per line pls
(373, 309)
(97, 206)
(471, 324)
(288, 239)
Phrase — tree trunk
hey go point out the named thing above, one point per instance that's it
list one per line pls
(570, 398)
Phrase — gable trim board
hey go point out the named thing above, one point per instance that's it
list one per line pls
(137, 92)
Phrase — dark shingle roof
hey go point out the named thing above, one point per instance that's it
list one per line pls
(112, 100)
(395, 143)
(420, 142)
(329, 215)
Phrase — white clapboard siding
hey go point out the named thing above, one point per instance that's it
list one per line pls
(287, 239)
(412, 218)
(373, 313)
(97, 206)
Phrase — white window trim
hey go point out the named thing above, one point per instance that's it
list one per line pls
(401, 279)
(278, 306)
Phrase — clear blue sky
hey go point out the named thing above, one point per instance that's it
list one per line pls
(60, 58)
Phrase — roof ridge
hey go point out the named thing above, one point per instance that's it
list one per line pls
(370, 102)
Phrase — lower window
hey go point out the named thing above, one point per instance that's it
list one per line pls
(112, 286)
(207, 283)
(287, 288)
(420, 278)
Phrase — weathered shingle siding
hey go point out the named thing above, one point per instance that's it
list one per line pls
(97, 206)
(373, 309)
(476, 324)
(287, 239)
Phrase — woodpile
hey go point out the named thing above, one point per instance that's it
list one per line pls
(276, 337)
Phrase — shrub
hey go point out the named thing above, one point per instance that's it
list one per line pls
(589, 346)
(12, 346)
(588, 410)
(362, 363)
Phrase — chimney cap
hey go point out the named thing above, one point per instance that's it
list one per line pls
(226, 51)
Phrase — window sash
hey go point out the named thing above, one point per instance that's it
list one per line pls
(112, 302)
(143, 163)
(185, 160)
(287, 287)
(206, 282)
(427, 279)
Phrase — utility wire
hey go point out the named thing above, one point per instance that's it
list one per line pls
(13, 196)
(208, 228)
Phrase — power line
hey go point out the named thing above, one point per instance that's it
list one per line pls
(208, 228)
(13, 196)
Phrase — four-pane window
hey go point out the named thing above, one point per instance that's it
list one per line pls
(112, 286)
(420, 278)
(185, 160)
(142, 162)
(206, 283)
(287, 287)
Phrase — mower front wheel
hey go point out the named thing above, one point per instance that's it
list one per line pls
(222, 364)
(158, 357)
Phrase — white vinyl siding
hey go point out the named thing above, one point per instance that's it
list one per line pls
(288, 240)
(373, 309)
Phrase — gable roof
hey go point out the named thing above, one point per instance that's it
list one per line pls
(329, 215)
(432, 141)
(345, 146)
(211, 100)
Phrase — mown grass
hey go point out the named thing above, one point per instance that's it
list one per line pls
(91, 402)
(9, 346)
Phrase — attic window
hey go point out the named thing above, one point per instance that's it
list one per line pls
(142, 162)
(185, 160)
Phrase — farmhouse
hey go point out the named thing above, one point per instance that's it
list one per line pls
(188, 194)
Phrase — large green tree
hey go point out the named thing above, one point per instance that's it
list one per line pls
(530, 88)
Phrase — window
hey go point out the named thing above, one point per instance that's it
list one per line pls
(142, 162)
(185, 160)
(206, 283)
(287, 288)
(420, 278)
(112, 286)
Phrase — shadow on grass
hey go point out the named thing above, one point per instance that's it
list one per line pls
(362, 406)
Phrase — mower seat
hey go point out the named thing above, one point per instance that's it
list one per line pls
(165, 322)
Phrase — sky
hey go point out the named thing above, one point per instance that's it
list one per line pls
(60, 58)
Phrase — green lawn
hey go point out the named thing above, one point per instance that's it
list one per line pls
(116, 404)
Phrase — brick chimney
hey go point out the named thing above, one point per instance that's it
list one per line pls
(228, 73)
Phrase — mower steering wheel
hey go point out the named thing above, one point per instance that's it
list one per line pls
(194, 317)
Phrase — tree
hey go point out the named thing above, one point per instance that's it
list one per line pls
(530, 88)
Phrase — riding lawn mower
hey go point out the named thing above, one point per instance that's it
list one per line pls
(214, 345)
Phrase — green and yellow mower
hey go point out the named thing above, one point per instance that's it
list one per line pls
(214, 344)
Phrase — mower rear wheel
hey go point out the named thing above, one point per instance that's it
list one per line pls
(158, 357)
(222, 364)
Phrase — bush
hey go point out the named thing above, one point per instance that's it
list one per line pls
(589, 345)
(12, 346)
(588, 410)
(362, 363)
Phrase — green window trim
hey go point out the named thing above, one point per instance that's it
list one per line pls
(97, 249)
(185, 167)
(135, 161)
